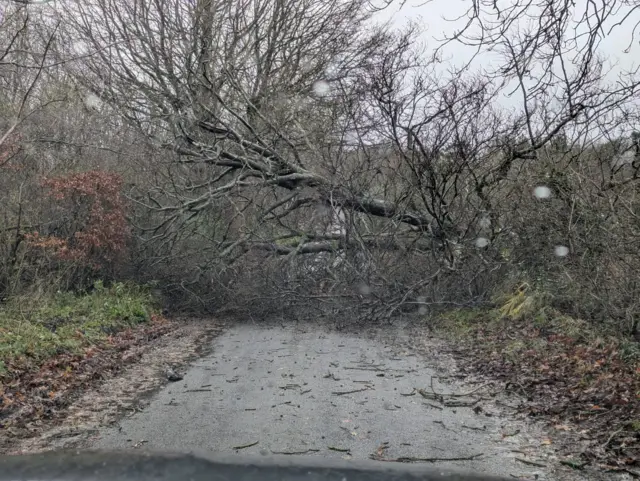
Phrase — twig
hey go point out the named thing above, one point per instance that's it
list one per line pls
(633, 473)
(465, 394)
(460, 404)
(340, 393)
(483, 428)
(243, 446)
(293, 453)
(198, 390)
(613, 435)
(411, 459)
(412, 393)
(443, 425)
(574, 464)
(427, 395)
(340, 450)
(365, 368)
(434, 406)
(532, 463)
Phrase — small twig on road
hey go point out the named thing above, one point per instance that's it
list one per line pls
(482, 428)
(198, 390)
(435, 406)
(250, 409)
(613, 435)
(243, 446)
(293, 453)
(633, 473)
(365, 368)
(442, 424)
(532, 463)
(427, 395)
(466, 394)
(460, 404)
(340, 393)
(508, 435)
(574, 464)
(340, 450)
(305, 391)
(412, 393)
(412, 459)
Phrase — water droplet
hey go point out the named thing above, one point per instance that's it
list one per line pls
(422, 310)
(542, 192)
(92, 101)
(364, 289)
(561, 251)
(321, 88)
(482, 242)
(485, 222)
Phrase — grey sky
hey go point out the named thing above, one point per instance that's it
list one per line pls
(435, 18)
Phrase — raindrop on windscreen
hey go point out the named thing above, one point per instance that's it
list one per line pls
(364, 289)
(542, 192)
(92, 102)
(561, 251)
(321, 88)
(485, 222)
(482, 242)
(422, 310)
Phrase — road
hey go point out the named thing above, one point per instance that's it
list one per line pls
(266, 391)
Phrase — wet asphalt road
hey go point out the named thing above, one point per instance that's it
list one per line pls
(266, 391)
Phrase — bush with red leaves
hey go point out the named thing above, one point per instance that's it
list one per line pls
(89, 227)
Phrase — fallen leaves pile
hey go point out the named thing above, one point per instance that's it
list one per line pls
(31, 395)
(587, 389)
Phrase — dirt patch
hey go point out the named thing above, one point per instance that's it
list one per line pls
(126, 379)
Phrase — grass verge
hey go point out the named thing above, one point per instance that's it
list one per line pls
(53, 348)
(33, 330)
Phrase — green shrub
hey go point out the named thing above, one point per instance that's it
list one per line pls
(35, 329)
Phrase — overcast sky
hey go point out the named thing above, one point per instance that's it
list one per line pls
(435, 18)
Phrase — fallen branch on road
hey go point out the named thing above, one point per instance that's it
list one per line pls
(293, 453)
(340, 393)
(340, 450)
(243, 446)
(574, 464)
(412, 459)
(474, 428)
(532, 463)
